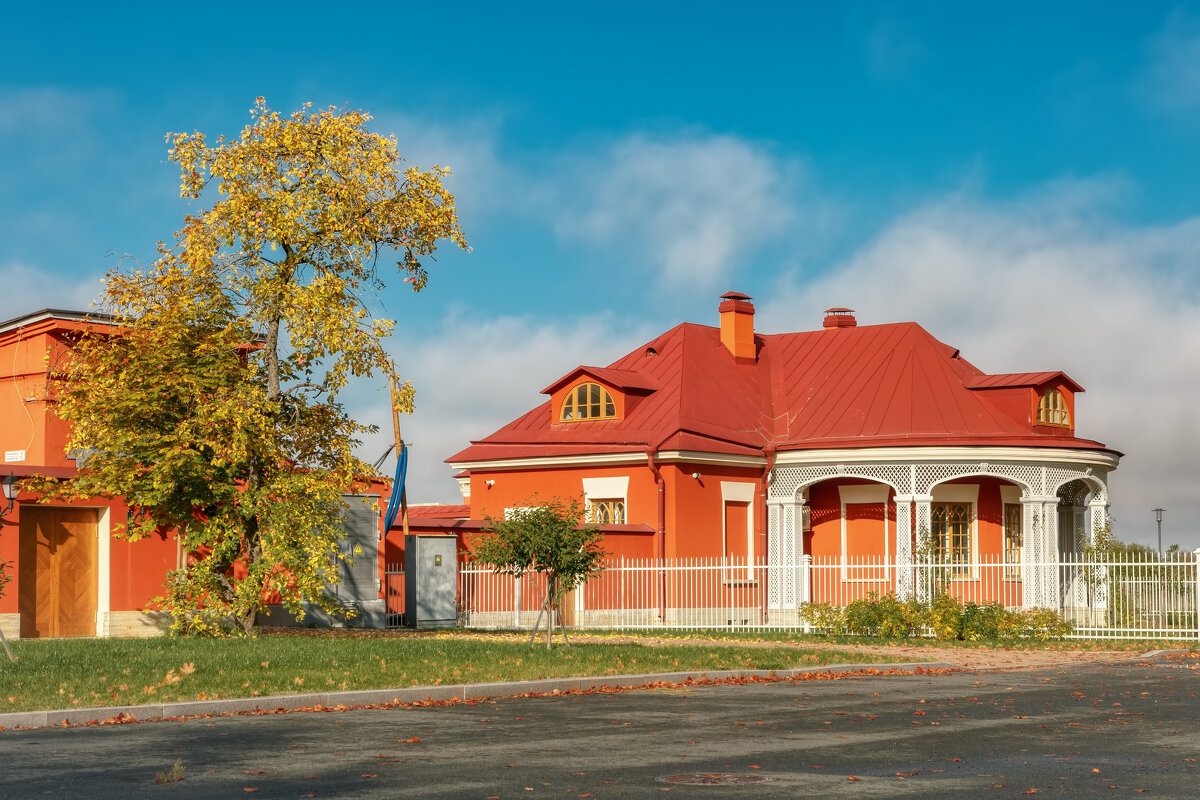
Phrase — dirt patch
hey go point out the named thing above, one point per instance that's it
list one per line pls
(965, 657)
(1014, 657)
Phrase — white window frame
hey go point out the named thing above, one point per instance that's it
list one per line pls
(610, 488)
(739, 492)
(513, 512)
(1011, 496)
(962, 493)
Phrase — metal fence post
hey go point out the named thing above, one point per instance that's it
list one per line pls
(806, 578)
(517, 601)
(1196, 593)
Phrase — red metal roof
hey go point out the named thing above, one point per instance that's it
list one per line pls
(1022, 379)
(866, 386)
(437, 510)
(618, 378)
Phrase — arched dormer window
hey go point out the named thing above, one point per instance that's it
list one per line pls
(588, 401)
(1052, 409)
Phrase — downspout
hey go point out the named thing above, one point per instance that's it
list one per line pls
(764, 483)
(660, 534)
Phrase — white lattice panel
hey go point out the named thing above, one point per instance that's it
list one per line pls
(920, 478)
(1043, 584)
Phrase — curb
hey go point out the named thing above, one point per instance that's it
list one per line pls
(462, 691)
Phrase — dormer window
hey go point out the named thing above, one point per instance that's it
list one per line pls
(588, 401)
(1052, 409)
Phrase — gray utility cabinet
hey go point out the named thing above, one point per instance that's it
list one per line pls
(359, 586)
(430, 581)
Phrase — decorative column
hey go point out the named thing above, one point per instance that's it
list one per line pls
(784, 545)
(1098, 576)
(923, 503)
(905, 583)
(1098, 514)
(776, 524)
(1039, 557)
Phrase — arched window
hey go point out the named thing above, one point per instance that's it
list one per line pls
(607, 512)
(1052, 409)
(588, 401)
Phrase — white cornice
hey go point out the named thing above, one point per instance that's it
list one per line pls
(701, 457)
(550, 462)
(1103, 459)
(1106, 459)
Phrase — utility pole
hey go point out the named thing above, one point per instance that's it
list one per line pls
(1158, 512)
(399, 449)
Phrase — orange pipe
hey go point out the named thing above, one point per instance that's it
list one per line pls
(764, 517)
(661, 533)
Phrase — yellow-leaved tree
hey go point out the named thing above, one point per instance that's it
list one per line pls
(211, 403)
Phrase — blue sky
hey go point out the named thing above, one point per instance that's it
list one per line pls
(1021, 180)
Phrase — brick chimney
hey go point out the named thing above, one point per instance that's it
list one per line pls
(737, 325)
(840, 318)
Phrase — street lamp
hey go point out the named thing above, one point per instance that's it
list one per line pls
(10, 492)
(1158, 516)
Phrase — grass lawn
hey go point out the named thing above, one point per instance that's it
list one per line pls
(66, 673)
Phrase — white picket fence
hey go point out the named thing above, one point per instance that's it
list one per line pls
(1131, 596)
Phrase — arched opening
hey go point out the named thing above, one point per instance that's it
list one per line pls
(1078, 517)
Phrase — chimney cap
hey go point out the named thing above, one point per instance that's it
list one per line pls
(839, 318)
(736, 296)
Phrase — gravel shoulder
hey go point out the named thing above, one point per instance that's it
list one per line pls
(964, 657)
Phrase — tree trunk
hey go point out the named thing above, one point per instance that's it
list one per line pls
(274, 326)
(537, 623)
(248, 616)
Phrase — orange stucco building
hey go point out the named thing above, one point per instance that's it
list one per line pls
(70, 576)
(848, 441)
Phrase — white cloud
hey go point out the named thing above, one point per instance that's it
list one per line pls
(690, 207)
(1173, 68)
(468, 147)
(1030, 286)
(29, 289)
(473, 376)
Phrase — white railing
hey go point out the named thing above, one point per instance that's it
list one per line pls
(1139, 595)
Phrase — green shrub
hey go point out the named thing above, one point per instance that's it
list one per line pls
(901, 620)
(983, 621)
(945, 618)
(1042, 624)
(863, 616)
(885, 616)
(824, 617)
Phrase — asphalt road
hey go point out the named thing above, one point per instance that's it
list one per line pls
(1095, 731)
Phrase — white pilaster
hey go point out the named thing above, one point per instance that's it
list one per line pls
(905, 583)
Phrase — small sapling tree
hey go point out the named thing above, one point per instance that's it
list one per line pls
(550, 538)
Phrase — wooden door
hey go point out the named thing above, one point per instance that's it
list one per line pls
(57, 572)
